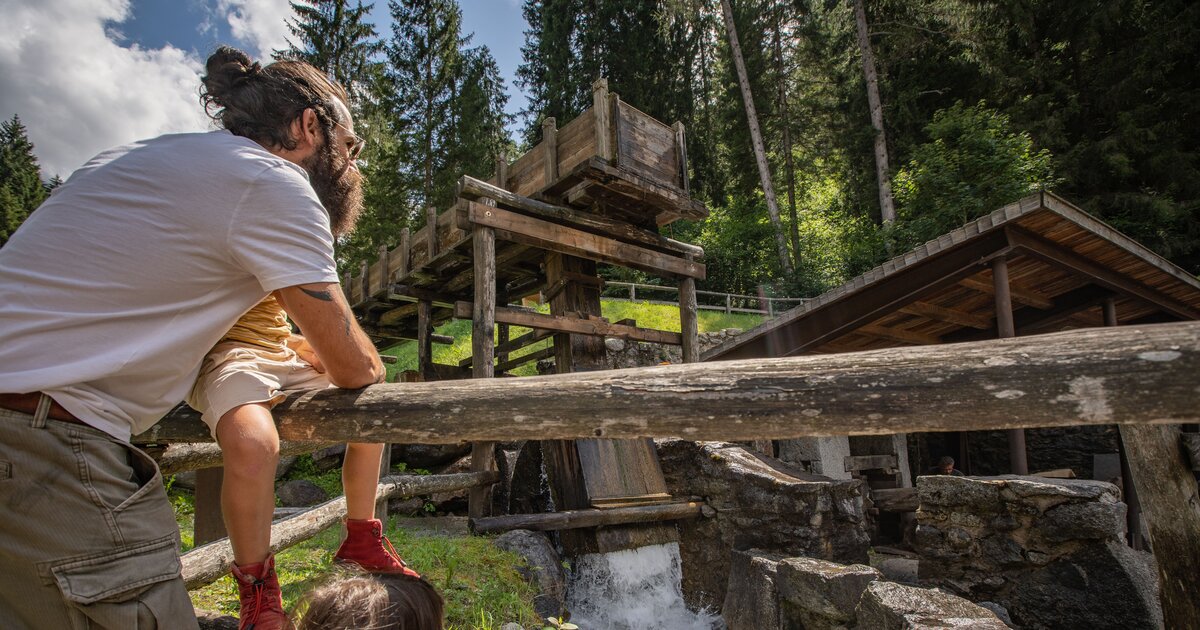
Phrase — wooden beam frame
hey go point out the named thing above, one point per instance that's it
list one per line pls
(1058, 256)
(897, 334)
(514, 362)
(575, 326)
(801, 330)
(948, 315)
(1019, 294)
(519, 228)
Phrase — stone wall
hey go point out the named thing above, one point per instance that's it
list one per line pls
(1051, 551)
(756, 503)
(770, 592)
(627, 354)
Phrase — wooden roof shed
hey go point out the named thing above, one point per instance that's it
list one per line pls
(1035, 266)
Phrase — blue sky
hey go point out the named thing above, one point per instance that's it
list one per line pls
(85, 75)
(189, 24)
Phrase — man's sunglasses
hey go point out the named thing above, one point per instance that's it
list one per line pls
(356, 147)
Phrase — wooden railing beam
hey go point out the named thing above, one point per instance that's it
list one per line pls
(1127, 374)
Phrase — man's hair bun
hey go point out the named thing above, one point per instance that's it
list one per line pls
(227, 70)
(261, 102)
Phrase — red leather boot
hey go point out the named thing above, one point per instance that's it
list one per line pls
(261, 600)
(367, 547)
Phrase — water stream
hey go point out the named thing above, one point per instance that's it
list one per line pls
(633, 589)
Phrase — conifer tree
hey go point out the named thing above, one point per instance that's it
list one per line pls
(21, 188)
(336, 38)
(423, 58)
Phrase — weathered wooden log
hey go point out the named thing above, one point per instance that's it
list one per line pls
(1191, 446)
(204, 565)
(578, 519)
(180, 457)
(1128, 374)
(1167, 492)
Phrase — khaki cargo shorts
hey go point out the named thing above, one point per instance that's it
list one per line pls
(235, 374)
(87, 536)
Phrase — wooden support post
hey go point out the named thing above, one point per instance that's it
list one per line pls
(603, 124)
(681, 156)
(432, 236)
(1133, 508)
(550, 150)
(346, 287)
(1005, 328)
(614, 125)
(483, 319)
(502, 170)
(1167, 492)
(364, 282)
(405, 252)
(382, 287)
(689, 325)
(209, 523)
(502, 334)
(425, 340)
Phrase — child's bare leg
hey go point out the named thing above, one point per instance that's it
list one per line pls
(250, 445)
(360, 476)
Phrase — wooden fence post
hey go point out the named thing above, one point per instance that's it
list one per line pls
(209, 525)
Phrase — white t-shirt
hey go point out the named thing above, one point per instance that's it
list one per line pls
(115, 288)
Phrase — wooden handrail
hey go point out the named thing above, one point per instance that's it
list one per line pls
(1129, 374)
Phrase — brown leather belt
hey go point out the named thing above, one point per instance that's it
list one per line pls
(27, 403)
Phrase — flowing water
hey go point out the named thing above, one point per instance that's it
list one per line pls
(633, 589)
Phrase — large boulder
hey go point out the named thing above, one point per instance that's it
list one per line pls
(429, 456)
(821, 595)
(543, 569)
(892, 606)
(758, 503)
(752, 600)
(300, 493)
(1050, 551)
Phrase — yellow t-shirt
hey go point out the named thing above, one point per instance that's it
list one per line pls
(265, 326)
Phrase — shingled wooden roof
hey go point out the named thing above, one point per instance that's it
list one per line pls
(1063, 265)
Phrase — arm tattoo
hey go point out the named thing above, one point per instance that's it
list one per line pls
(324, 296)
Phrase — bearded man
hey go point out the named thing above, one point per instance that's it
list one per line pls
(111, 294)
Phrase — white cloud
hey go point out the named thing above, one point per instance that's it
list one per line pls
(261, 24)
(79, 92)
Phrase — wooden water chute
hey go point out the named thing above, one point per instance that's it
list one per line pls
(594, 191)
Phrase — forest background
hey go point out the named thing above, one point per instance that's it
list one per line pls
(884, 123)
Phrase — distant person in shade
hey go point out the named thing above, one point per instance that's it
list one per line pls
(945, 466)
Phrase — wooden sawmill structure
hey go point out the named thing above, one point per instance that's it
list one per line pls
(596, 191)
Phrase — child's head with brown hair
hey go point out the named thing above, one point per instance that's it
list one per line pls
(373, 601)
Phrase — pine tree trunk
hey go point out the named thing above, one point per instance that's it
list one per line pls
(760, 153)
(789, 162)
(887, 208)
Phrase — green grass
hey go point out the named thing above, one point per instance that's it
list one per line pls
(479, 582)
(656, 316)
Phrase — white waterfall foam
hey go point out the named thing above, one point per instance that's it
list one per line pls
(633, 589)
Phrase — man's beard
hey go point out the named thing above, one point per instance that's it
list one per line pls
(338, 186)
